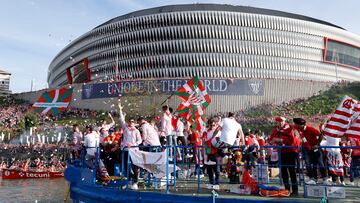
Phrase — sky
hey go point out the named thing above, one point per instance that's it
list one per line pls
(32, 32)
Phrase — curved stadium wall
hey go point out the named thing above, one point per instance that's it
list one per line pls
(295, 56)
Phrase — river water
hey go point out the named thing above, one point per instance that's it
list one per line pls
(33, 190)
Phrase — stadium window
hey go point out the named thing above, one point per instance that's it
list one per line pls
(340, 53)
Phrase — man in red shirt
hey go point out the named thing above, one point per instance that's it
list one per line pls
(311, 138)
(283, 135)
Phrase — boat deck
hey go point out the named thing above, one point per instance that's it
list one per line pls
(189, 187)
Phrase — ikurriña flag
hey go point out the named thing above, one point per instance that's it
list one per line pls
(53, 101)
(195, 101)
(341, 120)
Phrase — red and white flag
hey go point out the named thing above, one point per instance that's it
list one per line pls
(195, 101)
(341, 120)
(354, 129)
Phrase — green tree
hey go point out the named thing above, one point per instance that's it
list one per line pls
(29, 120)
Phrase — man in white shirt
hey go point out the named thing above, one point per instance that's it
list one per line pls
(230, 129)
(179, 134)
(150, 136)
(166, 128)
(91, 144)
(131, 137)
(165, 123)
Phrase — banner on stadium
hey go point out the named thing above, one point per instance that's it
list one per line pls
(153, 162)
(53, 101)
(169, 86)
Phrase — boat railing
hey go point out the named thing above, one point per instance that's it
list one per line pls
(172, 177)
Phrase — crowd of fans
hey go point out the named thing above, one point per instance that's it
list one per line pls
(11, 112)
(224, 148)
(38, 157)
(221, 148)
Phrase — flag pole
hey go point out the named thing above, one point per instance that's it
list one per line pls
(172, 94)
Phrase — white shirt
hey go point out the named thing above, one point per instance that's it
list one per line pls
(91, 142)
(230, 128)
(166, 127)
(179, 128)
(210, 133)
(131, 135)
(107, 127)
(150, 135)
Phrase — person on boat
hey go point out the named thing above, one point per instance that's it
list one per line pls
(77, 142)
(179, 129)
(250, 150)
(311, 138)
(196, 143)
(112, 150)
(345, 155)
(91, 144)
(131, 138)
(211, 158)
(283, 135)
(39, 165)
(87, 131)
(166, 128)
(32, 166)
(261, 141)
(149, 135)
(25, 165)
(230, 130)
(106, 127)
(3, 165)
(355, 160)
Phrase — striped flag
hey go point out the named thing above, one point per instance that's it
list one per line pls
(354, 129)
(53, 101)
(341, 119)
(195, 101)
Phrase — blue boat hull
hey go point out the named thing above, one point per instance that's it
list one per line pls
(82, 189)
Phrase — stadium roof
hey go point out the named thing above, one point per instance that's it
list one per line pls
(4, 72)
(215, 7)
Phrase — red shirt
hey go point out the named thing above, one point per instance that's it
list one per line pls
(345, 153)
(251, 140)
(174, 122)
(261, 141)
(195, 139)
(309, 136)
(355, 143)
(112, 140)
(286, 133)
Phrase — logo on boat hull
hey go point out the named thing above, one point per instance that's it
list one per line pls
(37, 175)
(7, 173)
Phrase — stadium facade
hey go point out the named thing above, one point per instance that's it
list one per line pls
(281, 55)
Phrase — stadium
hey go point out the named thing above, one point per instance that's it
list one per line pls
(245, 56)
